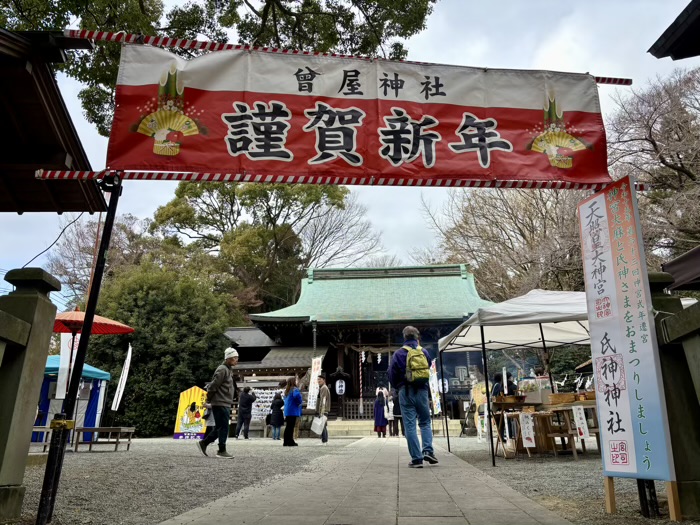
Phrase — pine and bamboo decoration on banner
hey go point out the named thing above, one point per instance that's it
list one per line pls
(168, 124)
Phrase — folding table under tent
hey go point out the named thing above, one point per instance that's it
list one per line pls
(539, 319)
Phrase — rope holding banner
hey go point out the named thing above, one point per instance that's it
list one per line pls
(324, 179)
(183, 43)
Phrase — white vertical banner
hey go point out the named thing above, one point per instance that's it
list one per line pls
(434, 388)
(122, 381)
(630, 396)
(527, 429)
(100, 402)
(68, 353)
(581, 423)
(313, 385)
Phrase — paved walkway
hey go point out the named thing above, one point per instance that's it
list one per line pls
(372, 485)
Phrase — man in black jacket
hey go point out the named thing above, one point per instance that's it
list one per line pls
(220, 395)
(245, 412)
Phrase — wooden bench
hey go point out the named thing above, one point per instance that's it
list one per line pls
(47, 436)
(119, 431)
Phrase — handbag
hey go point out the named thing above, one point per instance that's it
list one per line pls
(318, 424)
(386, 412)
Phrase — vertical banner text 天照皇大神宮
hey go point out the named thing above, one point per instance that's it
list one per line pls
(630, 399)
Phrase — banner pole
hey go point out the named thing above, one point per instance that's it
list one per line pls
(63, 423)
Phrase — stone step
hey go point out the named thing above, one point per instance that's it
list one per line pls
(365, 428)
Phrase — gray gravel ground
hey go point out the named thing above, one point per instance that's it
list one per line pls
(161, 478)
(572, 489)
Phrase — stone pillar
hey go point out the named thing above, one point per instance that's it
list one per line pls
(682, 403)
(27, 311)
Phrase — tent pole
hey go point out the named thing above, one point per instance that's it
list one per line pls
(444, 406)
(487, 412)
(546, 356)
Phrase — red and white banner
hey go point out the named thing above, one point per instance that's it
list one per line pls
(279, 117)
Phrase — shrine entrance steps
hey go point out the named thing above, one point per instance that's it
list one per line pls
(365, 428)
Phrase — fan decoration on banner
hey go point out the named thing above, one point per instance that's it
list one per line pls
(277, 116)
(168, 124)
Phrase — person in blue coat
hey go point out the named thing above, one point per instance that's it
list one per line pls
(292, 410)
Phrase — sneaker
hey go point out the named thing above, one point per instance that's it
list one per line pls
(430, 458)
(415, 465)
(201, 448)
(224, 455)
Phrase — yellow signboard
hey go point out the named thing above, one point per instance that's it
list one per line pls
(190, 422)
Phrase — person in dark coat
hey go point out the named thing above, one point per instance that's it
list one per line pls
(221, 394)
(277, 415)
(380, 421)
(397, 413)
(245, 412)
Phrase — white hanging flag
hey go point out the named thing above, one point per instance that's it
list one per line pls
(122, 381)
(69, 349)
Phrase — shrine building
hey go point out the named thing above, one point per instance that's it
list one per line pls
(354, 318)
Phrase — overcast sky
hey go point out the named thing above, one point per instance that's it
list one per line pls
(601, 37)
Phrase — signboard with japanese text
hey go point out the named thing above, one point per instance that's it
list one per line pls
(313, 384)
(581, 422)
(434, 384)
(630, 397)
(304, 118)
(527, 428)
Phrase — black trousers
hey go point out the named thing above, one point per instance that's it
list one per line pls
(243, 422)
(400, 421)
(394, 427)
(290, 422)
(221, 416)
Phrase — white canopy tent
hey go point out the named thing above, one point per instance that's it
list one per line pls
(539, 319)
(563, 317)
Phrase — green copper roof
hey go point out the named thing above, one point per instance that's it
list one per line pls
(417, 293)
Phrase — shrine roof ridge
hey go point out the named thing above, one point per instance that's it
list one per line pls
(381, 295)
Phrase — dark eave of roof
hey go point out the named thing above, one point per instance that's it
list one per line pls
(37, 131)
(685, 270)
(681, 39)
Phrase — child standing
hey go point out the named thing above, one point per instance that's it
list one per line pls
(277, 415)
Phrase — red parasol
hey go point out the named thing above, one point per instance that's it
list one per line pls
(72, 323)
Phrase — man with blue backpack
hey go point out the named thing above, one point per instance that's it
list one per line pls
(409, 373)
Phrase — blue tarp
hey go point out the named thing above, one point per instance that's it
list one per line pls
(89, 372)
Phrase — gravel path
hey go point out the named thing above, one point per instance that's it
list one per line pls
(161, 478)
(572, 489)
